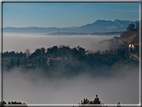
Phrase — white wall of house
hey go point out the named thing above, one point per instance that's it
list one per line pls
(131, 46)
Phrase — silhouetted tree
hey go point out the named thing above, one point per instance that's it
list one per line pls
(42, 51)
(6, 54)
(131, 27)
(43, 60)
(4, 102)
(81, 50)
(12, 54)
(118, 104)
(37, 52)
(25, 62)
(27, 52)
(52, 52)
(95, 101)
(12, 63)
(137, 24)
(17, 63)
(85, 101)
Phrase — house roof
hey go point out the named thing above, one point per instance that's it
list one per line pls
(135, 44)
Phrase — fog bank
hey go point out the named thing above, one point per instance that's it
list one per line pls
(22, 41)
(33, 87)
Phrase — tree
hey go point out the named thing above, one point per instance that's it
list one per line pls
(12, 63)
(17, 62)
(131, 27)
(6, 54)
(42, 51)
(37, 52)
(137, 24)
(52, 51)
(39, 61)
(85, 101)
(25, 62)
(95, 101)
(81, 50)
(118, 104)
(27, 52)
(43, 60)
(12, 54)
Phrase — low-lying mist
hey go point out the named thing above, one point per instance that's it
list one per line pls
(20, 42)
(62, 85)
(34, 87)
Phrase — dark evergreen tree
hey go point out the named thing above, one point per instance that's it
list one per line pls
(12, 54)
(131, 27)
(27, 52)
(12, 64)
(17, 63)
(137, 24)
(43, 51)
(25, 61)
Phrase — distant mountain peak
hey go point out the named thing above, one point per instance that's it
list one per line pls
(122, 20)
(97, 26)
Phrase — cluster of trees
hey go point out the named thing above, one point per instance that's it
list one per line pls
(132, 27)
(96, 101)
(85, 101)
(77, 54)
(55, 51)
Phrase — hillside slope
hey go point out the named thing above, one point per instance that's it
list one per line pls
(130, 36)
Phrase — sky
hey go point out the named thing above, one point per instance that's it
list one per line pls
(65, 14)
(68, 15)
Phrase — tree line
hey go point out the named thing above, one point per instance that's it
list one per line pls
(132, 27)
(47, 58)
(84, 102)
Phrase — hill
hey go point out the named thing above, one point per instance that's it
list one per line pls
(130, 36)
(97, 26)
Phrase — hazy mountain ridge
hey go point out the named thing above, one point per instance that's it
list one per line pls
(97, 26)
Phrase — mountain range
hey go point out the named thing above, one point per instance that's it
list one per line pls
(97, 26)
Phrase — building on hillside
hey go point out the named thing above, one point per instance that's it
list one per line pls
(133, 47)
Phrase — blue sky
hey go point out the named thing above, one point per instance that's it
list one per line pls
(65, 14)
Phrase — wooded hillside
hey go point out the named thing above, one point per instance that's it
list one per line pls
(130, 36)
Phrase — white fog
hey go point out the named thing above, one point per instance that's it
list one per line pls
(20, 42)
(33, 87)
